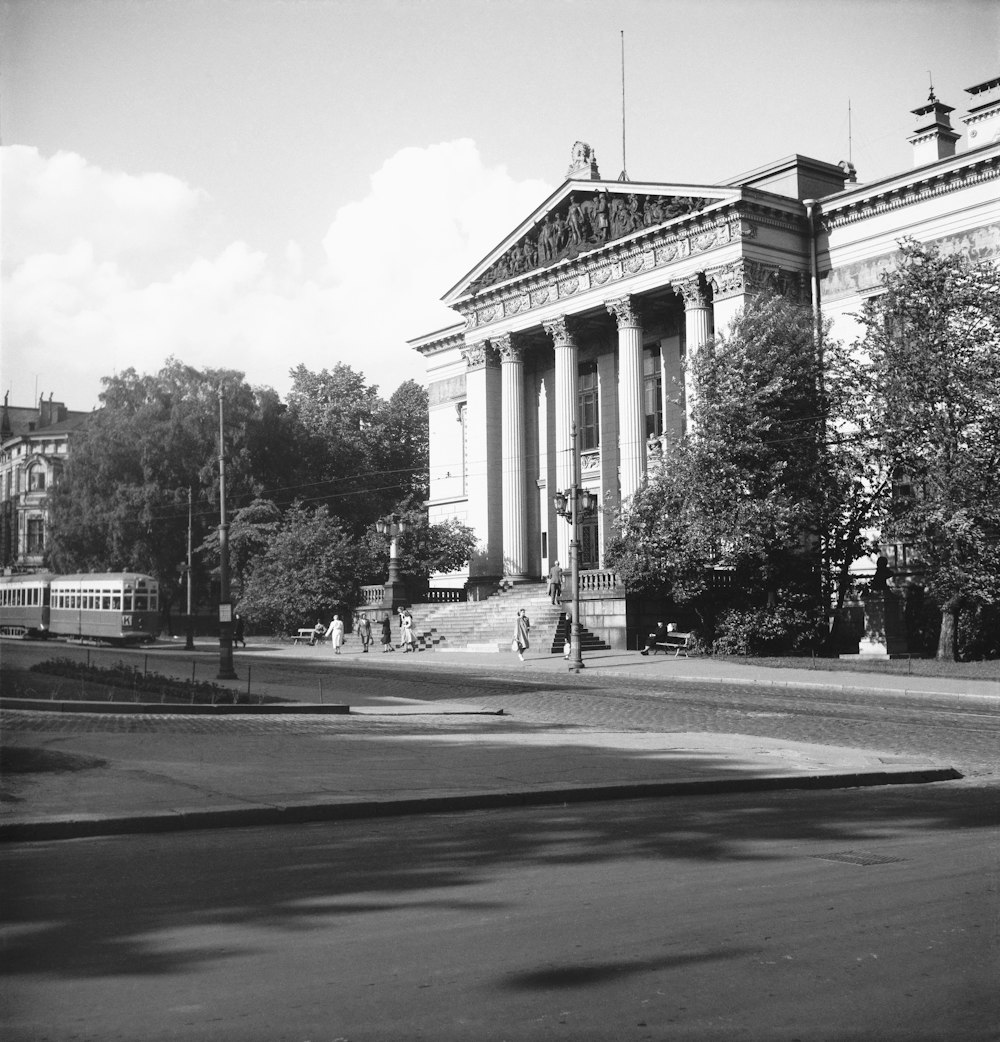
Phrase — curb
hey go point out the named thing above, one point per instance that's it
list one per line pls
(46, 705)
(303, 813)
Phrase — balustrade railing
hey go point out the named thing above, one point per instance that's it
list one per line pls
(599, 581)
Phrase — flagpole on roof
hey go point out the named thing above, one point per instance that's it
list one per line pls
(623, 176)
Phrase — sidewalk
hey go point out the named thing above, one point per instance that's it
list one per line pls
(81, 774)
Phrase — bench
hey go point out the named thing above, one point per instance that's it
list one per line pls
(679, 643)
(306, 636)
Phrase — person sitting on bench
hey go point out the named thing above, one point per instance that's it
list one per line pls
(658, 637)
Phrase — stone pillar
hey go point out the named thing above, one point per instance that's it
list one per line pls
(515, 518)
(631, 419)
(566, 398)
(483, 424)
(697, 333)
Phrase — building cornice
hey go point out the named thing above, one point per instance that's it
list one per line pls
(929, 182)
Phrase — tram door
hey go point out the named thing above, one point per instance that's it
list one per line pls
(590, 551)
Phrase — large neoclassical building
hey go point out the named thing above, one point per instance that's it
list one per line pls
(586, 311)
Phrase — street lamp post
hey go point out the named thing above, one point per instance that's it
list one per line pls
(394, 592)
(226, 671)
(571, 505)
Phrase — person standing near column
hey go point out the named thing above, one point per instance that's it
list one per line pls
(555, 582)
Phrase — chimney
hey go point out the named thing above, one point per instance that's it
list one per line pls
(983, 120)
(933, 139)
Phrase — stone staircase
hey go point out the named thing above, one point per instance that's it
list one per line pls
(489, 625)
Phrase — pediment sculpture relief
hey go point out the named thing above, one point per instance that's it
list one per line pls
(582, 222)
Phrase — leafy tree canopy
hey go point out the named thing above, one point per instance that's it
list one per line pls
(748, 485)
(364, 455)
(933, 340)
(121, 502)
(307, 571)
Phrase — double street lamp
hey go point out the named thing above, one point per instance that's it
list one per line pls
(392, 526)
(572, 505)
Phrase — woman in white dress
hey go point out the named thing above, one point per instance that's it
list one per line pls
(336, 634)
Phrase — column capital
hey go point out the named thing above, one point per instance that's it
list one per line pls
(624, 311)
(479, 355)
(560, 331)
(507, 348)
(694, 291)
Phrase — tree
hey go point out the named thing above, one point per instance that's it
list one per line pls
(748, 491)
(308, 570)
(121, 502)
(932, 338)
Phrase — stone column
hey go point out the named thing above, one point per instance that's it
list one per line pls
(566, 398)
(697, 333)
(515, 526)
(631, 418)
(483, 424)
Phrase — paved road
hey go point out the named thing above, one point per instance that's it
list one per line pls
(961, 732)
(847, 916)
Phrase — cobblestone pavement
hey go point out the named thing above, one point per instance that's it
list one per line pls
(963, 733)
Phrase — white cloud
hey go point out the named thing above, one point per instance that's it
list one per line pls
(106, 270)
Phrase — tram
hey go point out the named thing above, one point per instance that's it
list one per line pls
(111, 606)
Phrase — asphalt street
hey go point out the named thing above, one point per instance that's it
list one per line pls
(858, 915)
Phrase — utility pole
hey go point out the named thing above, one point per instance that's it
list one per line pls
(226, 671)
(189, 641)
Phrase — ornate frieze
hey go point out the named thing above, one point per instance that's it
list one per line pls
(979, 244)
(749, 277)
(592, 272)
(623, 311)
(590, 462)
(568, 286)
(585, 221)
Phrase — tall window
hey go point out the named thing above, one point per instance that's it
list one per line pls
(36, 535)
(652, 391)
(587, 409)
(36, 479)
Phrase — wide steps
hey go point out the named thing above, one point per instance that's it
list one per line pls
(490, 625)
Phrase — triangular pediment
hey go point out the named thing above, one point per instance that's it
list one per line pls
(583, 216)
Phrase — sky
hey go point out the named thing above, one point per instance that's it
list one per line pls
(259, 184)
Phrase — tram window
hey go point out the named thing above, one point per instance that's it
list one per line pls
(106, 602)
(127, 601)
(116, 602)
(140, 602)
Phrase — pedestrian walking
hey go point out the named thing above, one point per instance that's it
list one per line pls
(386, 634)
(365, 632)
(239, 630)
(406, 620)
(521, 631)
(555, 582)
(336, 634)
